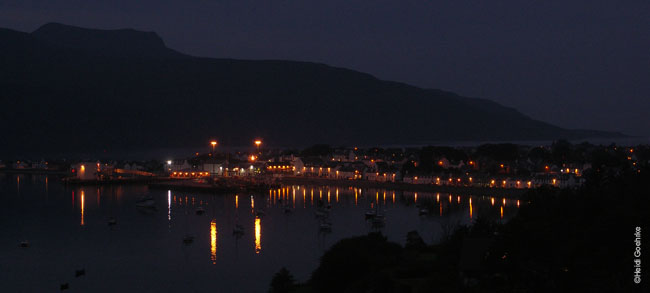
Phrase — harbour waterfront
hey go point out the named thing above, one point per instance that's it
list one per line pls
(69, 228)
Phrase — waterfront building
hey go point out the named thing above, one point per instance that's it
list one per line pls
(86, 170)
(214, 167)
(178, 165)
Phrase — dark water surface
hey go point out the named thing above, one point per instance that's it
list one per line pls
(67, 229)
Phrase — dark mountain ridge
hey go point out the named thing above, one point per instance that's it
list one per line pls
(114, 43)
(67, 88)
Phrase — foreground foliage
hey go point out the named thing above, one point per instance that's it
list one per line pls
(561, 240)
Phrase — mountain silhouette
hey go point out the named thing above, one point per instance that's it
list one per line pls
(114, 43)
(67, 88)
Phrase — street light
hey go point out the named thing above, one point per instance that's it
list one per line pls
(169, 165)
(214, 144)
(258, 143)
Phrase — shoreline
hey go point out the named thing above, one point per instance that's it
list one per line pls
(188, 186)
(169, 183)
(286, 181)
(34, 171)
(507, 192)
(143, 181)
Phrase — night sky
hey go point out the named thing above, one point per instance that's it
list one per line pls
(577, 64)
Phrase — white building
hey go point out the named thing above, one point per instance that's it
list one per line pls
(298, 166)
(419, 179)
(86, 170)
(40, 165)
(215, 169)
(179, 165)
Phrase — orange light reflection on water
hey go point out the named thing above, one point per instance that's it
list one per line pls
(470, 208)
(83, 204)
(258, 235)
(356, 196)
(213, 241)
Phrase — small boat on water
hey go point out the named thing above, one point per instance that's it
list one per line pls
(188, 240)
(260, 213)
(79, 273)
(423, 212)
(112, 221)
(24, 244)
(145, 202)
(238, 231)
(288, 210)
(200, 211)
(378, 221)
(370, 214)
(321, 213)
(325, 227)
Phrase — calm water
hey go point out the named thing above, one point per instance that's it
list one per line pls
(67, 228)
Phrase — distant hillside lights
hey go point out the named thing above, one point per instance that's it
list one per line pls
(569, 171)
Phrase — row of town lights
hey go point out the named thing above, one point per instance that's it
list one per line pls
(192, 174)
(258, 143)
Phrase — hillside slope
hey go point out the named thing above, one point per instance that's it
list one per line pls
(67, 88)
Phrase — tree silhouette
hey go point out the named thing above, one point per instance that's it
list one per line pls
(282, 282)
